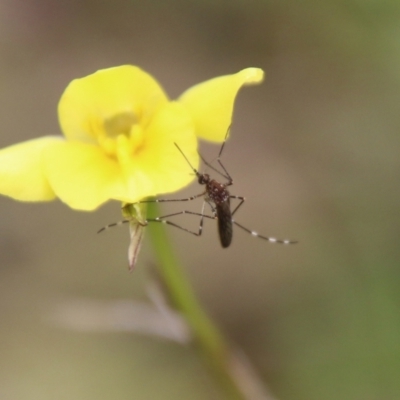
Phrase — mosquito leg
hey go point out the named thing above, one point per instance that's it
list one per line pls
(166, 200)
(230, 180)
(270, 239)
(165, 221)
(213, 168)
(225, 139)
(119, 223)
(203, 216)
(180, 213)
(242, 200)
(226, 173)
(219, 157)
(201, 220)
(161, 219)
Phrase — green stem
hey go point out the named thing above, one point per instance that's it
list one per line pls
(208, 339)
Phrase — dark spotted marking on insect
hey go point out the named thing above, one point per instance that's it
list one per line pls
(217, 196)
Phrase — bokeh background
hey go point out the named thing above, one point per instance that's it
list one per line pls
(316, 152)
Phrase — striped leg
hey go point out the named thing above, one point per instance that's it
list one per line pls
(270, 239)
(168, 200)
(165, 221)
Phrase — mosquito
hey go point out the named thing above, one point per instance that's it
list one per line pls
(218, 197)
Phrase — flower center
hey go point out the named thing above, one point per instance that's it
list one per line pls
(121, 135)
(119, 124)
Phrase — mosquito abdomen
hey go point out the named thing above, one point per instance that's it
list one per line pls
(225, 230)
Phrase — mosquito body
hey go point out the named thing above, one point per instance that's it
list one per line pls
(218, 197)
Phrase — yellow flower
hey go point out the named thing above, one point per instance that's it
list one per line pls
(119, 133)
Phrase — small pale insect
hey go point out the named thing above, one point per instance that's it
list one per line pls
(135, 215)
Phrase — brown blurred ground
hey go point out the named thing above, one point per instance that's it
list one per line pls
(315, 150)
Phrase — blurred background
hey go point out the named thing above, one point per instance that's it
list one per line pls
(315, 149)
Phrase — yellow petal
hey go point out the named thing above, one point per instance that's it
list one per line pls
(21, 170)
(90, 101)
(211, 103)
(82, 176)
(160, 167)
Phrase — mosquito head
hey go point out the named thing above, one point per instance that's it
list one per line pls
(203, 179)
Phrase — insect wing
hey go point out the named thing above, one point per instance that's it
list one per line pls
(136, 233)
(225, 230)
(135, 214)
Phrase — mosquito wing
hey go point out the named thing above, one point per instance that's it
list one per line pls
(224, 223)
(136, 233)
